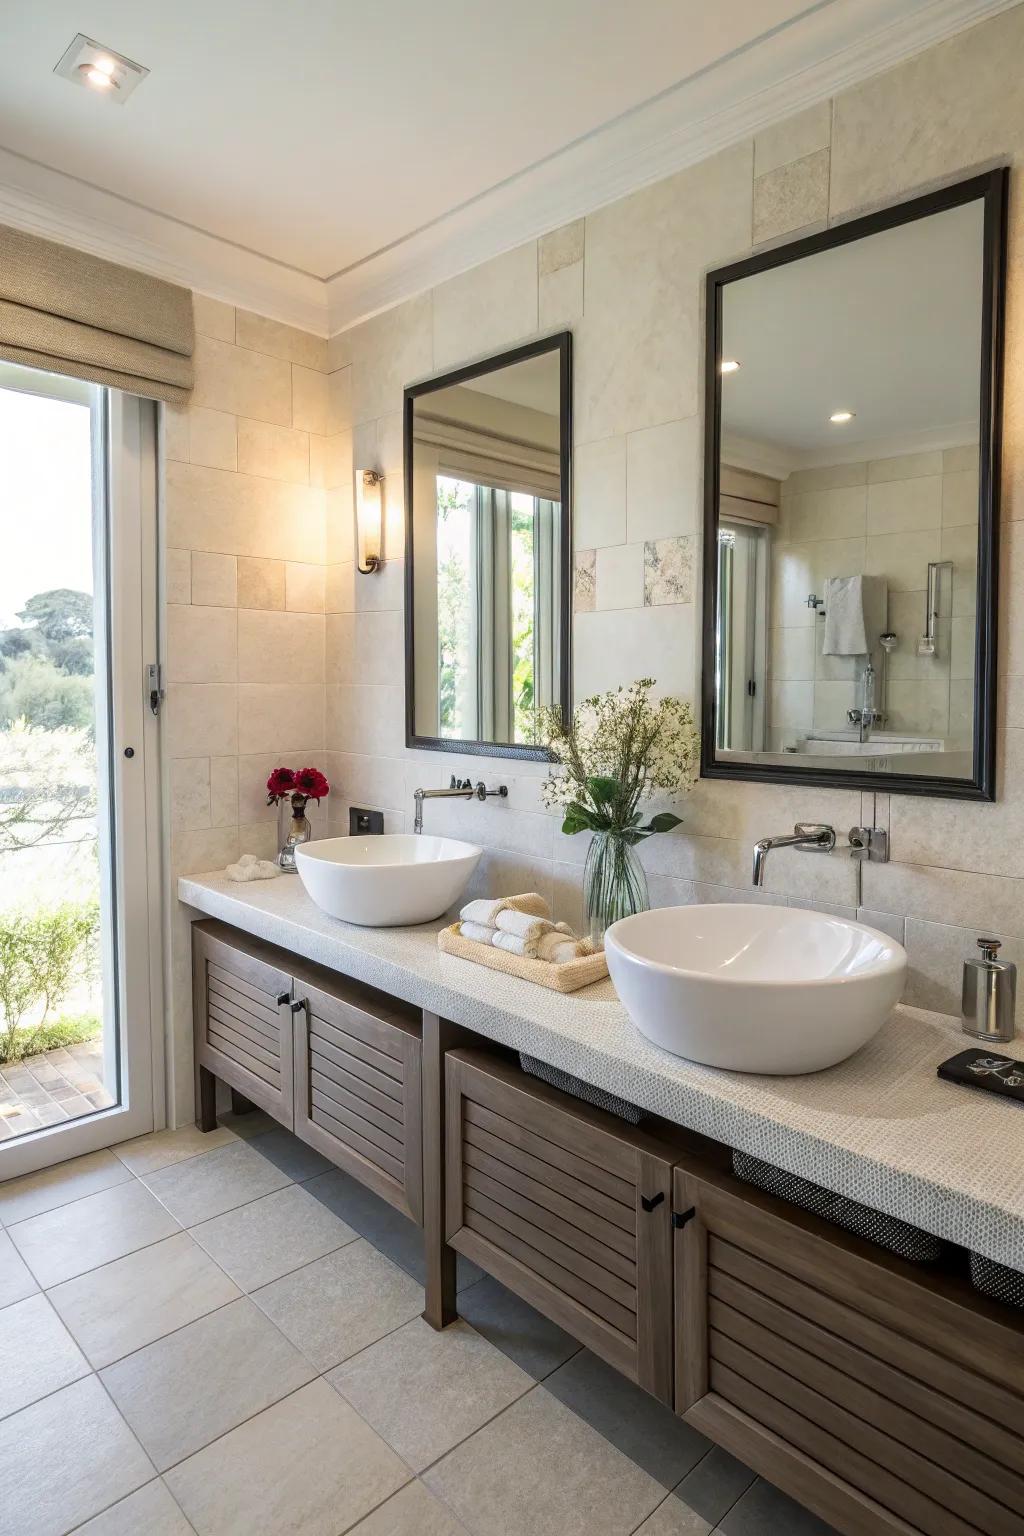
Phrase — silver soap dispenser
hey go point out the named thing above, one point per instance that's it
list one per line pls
(989, 994)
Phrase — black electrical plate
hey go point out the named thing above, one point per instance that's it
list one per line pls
(364, 823)
(986, 1070)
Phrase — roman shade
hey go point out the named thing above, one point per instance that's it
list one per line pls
(67, 312)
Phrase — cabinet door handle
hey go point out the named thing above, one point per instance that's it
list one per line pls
(298, 1005)
(282, 998)
(680, 1218)
(651, 1202)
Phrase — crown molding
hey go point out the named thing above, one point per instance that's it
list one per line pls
(830, 47)
(821, 53)
(46, 202)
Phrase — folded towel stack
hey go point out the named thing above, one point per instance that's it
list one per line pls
(521, 925)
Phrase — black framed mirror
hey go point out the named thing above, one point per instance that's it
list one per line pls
(851, 520)
(488, 541)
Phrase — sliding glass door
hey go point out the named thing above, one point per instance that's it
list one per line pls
(79, 850)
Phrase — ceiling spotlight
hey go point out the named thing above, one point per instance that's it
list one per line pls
(840, 416)
(100, 69)
(728, 365)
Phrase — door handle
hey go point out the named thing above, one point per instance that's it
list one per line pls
(680, 1218)
(298, 1005)
(282, 998)
(651, 1202)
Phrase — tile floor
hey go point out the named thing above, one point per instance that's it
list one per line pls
(221, 1336)
(56, 1085)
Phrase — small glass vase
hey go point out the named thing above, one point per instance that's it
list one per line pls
(614, 884)
(293, 828)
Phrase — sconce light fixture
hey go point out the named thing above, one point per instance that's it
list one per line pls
(369, 520)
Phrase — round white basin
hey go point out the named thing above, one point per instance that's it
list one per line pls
(755, 988)
(389, 881)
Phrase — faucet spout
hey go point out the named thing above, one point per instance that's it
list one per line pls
(459, 789)
(813, 838)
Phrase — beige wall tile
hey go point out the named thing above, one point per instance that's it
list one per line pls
(955, 460)
(270, 714)
(339, 460)
(174, 419)
(212, 438)
(340, 540)
(201, 718)
(276, 647)
(793, 139)
(380, 652)
(202, 645)
(309, 399)
(237, 514)
(213, 317)
(972, 836)
(261, 583)
(339, 400)
(662, 476)
(905, 506)
(792, 655)
(905, 466)
(902, 558)
(386, 353)
(620, 576)
(560, 248)
(599, 493)
(620, 646)
(832, 514)
(560, 297)
(197, 851)
(339, 648)
(339, 588)
(960, 498)
(486, 308)
(223, 791)
(826, 478)
(259, 334)
(318, 461)
(214, 580)
(304, 587)
(190, 793)
(275, 453)
(669, 574)
(584, 595)
(791, 197)
(245, 383)
(178, 576)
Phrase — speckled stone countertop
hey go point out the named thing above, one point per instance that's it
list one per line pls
(881, 1127)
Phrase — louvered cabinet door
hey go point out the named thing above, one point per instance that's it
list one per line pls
(358, 1089)
(884, 1397)
(243, 1028)
(567, 1206)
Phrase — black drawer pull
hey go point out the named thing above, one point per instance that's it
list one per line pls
(298, 1005)
(650, 1202)
(680, 1218)
(282, 998)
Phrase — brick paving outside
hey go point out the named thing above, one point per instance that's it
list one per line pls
(62, 1084)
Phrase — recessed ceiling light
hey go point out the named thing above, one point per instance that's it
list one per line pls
(728, 365)
(840, 416)
(100, 69)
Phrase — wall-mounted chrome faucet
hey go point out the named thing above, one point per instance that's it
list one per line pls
(815, 837)
(459, 789)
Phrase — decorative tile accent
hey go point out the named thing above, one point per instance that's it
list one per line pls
(792, 196)
(585, 585)
(668, 571)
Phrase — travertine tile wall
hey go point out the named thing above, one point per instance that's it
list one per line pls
(886, 517)
(628, 281)
(246, 469)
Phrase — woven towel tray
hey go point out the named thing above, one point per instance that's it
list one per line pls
(559, 978)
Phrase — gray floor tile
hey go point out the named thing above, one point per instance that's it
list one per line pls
(255, 1122)
(16, 1281)
(714, 1485)
(206, 1186)
(123, 1306)
(261, 1241)
(162, 1148)
(64, 1460)
(764, 1511)
(424, 1390)
(34, 1193)
(383, 1226)
(341, 1304)
(149, 1512)
(37, 1354)
(643, 1429)
(673, 1519)
(291, 1155)
(413, 1511)
(513, 1326)
(183, 1391)
(75, 1238)
(538, 1470)
(308, 1464)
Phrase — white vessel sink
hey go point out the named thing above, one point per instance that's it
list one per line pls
(755, 988)
(389, 881)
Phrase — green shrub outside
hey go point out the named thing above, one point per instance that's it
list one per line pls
(70, 1029)
(43, 955)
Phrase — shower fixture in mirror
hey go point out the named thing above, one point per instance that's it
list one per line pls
(488, 550)
(851, 502)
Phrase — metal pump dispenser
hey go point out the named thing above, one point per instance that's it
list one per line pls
(989, 995)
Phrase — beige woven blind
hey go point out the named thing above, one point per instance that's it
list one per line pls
(67, 312)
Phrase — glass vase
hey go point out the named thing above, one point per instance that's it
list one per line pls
(614, 884)
(293, 828)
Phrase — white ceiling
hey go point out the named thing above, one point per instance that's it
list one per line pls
(320, 131)
(888, 327)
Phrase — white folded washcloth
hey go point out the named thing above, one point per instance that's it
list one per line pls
(523, 924)
(249, 867)
(479, 932)
(559, 946)
(514, 944)
(485, 909)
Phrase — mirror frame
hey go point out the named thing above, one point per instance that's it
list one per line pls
(561, 344)
(991, 190)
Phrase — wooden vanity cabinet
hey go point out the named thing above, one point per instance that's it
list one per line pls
(241, 1009)
(567, 1206)
(884, 1396)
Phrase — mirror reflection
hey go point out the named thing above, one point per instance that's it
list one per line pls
(486, 469)
(848, 510)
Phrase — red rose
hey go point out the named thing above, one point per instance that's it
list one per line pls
(311, 782)
(281, 782)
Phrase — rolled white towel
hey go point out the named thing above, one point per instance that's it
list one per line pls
(523, 925)
(514, 944)
(249, 867)
(482, 911)
(481, 933)
(485, 909)
(559, 946)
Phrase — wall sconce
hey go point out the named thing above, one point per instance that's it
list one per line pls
(369, 521)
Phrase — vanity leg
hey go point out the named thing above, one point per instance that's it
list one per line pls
(207, 1100)
(240, 1105)
(439, 1036)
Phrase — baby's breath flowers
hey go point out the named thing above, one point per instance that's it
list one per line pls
(620, 748)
